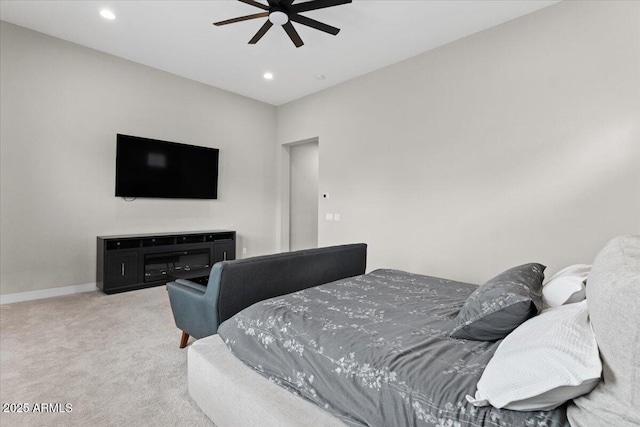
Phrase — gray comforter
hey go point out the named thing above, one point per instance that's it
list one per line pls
(374, 350)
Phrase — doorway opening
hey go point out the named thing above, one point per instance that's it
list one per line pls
(303, 180)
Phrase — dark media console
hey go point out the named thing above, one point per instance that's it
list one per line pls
(139, 261)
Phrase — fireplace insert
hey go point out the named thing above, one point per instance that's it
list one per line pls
(159, 266)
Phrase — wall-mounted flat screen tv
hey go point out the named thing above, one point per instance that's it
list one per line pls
(153, 168)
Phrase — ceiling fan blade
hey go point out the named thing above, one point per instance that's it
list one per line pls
(316, 4)
(242, 18)
(261, 32)
(256, 4)
(280, 3)
(293, 34)
(314, 24)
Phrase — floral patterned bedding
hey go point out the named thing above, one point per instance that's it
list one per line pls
(374, 350)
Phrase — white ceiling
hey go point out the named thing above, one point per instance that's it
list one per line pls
(178, 37)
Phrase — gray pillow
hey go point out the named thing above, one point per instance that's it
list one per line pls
(501, 305)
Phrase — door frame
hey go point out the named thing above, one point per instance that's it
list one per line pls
(283, 230)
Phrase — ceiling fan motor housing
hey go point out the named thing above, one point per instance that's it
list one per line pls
(278, 17)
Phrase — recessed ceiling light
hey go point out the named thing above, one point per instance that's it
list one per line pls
(107, 14)
(268, 76)
(319, 77)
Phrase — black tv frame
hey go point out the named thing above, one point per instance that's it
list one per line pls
(120, 191)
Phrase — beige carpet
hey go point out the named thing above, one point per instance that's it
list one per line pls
(114, 358)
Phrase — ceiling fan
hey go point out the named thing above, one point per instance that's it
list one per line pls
(283, 12)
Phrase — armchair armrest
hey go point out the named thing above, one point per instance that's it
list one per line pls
(191, 310)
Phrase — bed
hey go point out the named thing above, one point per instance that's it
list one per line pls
(370, 350)
(374, 350)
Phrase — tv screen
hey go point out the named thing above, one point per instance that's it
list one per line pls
(152, 168)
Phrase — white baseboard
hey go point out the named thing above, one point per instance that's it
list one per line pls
(47, 293)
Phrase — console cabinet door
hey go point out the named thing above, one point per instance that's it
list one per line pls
(122, 269)
(224, 251)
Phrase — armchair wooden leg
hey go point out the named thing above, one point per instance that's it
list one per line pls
(184, 339)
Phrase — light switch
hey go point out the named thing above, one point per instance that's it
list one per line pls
(336, 217)
(328, 217)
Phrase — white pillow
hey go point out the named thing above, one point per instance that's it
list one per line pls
(546, 361)
(566, 286)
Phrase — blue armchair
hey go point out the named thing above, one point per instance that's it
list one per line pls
(234, 285)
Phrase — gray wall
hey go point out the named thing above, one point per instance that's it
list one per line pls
(520, 143)
(304, 196)
(61, 107)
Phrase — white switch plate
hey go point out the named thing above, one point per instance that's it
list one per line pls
(244, 251)
(328, 217)
(336, 217)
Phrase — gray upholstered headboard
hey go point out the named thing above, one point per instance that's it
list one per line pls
(613, 294)
(247, 281)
